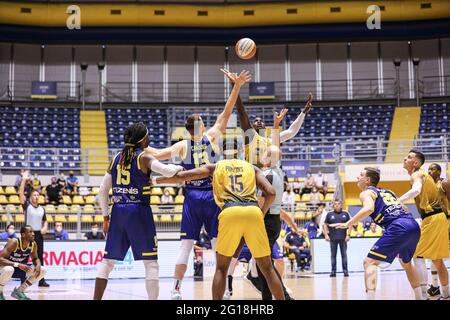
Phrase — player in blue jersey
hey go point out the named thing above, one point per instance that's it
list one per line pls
(131, 222)
(14, 263)
(199, 207)
(401, 232)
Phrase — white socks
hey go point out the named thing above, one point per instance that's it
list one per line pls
(434, 276)
(370, 294)
(418, 293)
(444, 291)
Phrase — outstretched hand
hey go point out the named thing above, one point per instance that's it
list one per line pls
(25, 175)
(308, 104)
(277, 118)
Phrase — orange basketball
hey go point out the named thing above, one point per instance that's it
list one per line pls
(245, 48)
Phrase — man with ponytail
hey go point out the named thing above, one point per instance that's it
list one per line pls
(131, 222)
(199, 207)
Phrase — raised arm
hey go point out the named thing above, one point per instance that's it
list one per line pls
(277, 118)
(221, 123)
(22, 187)
(295, 126)
(268, 191)
(417, 182)
(242, 113)
(194, 174)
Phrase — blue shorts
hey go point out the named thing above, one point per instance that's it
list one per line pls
(399, 239)
(199, 209)
(245, 255)
(131, 225)
(20, 274)
(277, 252)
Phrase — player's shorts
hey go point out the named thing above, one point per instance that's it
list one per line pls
(245, 255)
(434, 238)
(277, 251)
(131, 225)
(199, 209)
(400, 238)
(239, 222)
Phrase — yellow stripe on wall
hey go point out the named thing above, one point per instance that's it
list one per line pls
(218, 15)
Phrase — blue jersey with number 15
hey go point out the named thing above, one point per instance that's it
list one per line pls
(387, 208)
(130, 184)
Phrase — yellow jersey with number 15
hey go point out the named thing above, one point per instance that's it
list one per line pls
(234, 182)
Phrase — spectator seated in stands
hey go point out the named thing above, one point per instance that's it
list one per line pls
(36, 183)
(62, 183)
(59, 233)
(296, 186)
(311, 228)
(309, 184)
(94, 234)
(357, 230)
(297, 244)
(315, 196)
(166, 198)
(374, 231)
(72, 184)
(53, 191)
(10, 232)
(321, 183)
(288, 199)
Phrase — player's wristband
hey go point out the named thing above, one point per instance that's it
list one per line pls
(16, 265)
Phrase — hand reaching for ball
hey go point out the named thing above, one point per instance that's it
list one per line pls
(240, 79)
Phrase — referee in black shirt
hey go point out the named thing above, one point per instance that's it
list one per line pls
(337, 237)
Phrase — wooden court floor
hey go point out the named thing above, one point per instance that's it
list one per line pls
(392, 285)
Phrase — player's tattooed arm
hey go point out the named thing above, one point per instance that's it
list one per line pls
(367, 198)
(194, 174)
(268, 191)
(35, 259)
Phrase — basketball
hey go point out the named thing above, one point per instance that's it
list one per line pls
(245, 48)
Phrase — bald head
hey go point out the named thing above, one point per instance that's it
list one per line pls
(271, 156)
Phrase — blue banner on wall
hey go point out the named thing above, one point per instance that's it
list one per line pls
(43, 90)
(262, 90)
(295, 168)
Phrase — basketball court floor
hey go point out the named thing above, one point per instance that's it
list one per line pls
(392, 285)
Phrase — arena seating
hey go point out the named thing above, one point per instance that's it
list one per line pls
(155, 119)
(55, 131)
(435, 118)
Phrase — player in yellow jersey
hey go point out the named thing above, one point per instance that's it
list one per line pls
(234, 187)
(443, 186)
(433, 243)
(256, 141)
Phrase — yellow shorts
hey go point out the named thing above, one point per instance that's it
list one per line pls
(434, 242)
(239, 222)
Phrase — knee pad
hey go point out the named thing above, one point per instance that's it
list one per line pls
(185, 251)
(104, 268)
(151, 270)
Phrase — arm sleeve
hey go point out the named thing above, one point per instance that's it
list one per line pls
(103, 193)
(166, 170)
(293, 129)
(412, 193)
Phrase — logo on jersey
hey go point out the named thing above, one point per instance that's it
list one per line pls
(123, 190)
